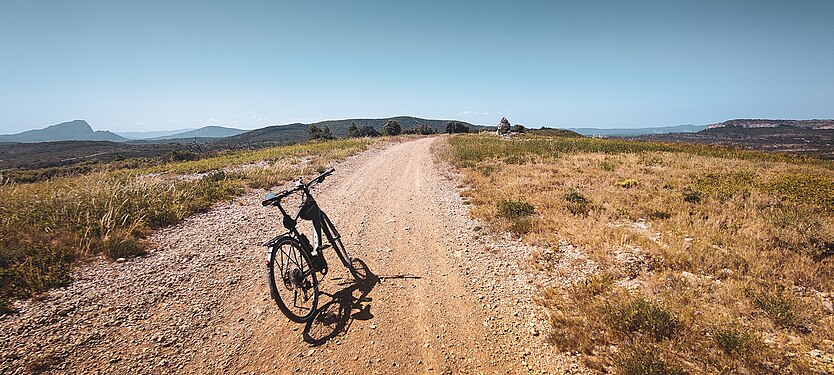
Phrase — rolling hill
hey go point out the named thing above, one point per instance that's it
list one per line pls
(284, 134)
(204, 132)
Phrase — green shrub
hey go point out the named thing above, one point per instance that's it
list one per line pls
(691, 196)
(577, 203)
(734, 340)
(574, 196)
(779, 306)
(515, 208)
(640, 314)
(642, 359)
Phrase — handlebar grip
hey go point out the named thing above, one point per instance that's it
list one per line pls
(272, 198)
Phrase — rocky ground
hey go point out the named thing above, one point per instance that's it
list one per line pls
(442, 295)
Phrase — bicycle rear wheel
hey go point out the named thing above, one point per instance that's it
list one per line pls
(292, 280)
(336, 241)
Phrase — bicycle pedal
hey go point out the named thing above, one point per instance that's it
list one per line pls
(322, 247)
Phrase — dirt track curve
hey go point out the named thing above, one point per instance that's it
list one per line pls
(441, 296)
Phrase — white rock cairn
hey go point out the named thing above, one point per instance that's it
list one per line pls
(503, 126)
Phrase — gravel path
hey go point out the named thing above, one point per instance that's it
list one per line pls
(442, 297)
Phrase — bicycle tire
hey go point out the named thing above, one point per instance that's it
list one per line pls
(295, 272)
(336, 241)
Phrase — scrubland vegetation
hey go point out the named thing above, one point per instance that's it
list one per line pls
(701, 259)
(47, 226)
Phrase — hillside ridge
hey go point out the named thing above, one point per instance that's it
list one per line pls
(773, 123)
(75, 130)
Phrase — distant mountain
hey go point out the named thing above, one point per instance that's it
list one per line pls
(767, 123)
(631, 132)
(152, 134)
(284, 134)
(818, 142)
(204, 132)
(77, 130)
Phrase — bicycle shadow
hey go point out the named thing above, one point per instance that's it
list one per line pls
(338, 314)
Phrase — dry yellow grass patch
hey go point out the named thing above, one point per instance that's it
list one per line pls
(711, 260)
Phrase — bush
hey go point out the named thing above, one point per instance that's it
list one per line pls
(392, 127)
(577, 204)
(778, 306)
(368, 131)
(641, 314)
(734, 340)
(515, 208)
(517, 128)
(574, 196)
(456, 127)
(691, 196)
(421, 129)
(353, 131)
(642, 359)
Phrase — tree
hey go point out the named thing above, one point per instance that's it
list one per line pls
(421, 129)
(456, 127)
(353, 131)
(314, 132)
(325, 133)
(368, 131)
(392, 127)
(518, 128)
(424, 129)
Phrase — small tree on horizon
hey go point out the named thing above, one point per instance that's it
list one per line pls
(353, 131)
(315, 132)
(392, 127)
(456, 127)
(368, 131)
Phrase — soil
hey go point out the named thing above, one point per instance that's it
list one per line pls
(441, 294)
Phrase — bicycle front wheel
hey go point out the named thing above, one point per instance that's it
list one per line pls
(336, 241)
(292, 280)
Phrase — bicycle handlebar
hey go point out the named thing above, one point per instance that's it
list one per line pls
(272, 198)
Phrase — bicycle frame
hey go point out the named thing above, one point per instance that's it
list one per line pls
(309, 210)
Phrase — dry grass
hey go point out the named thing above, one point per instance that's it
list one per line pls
(697, 248)
(45, 227)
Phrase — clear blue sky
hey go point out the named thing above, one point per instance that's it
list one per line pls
(155, 65)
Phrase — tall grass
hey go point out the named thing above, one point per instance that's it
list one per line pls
(45, 227)
(688, 240)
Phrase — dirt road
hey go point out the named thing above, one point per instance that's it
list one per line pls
(441, 296)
